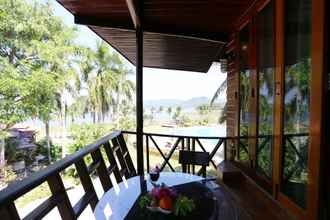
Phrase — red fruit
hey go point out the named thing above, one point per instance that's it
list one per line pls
(164, 192)
(166, 203)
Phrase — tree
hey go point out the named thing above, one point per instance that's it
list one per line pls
(152, 111)
(107, 81)
(220, 90)
(177, 113)
(169, 112)
(36, 53)
(160, 109)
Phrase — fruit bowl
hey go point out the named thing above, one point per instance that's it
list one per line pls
(166, 200)
(158, 209)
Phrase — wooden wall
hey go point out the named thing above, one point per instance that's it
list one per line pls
(232, 92)
(320, 107)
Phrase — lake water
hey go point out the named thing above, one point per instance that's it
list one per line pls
(205, 131)
(198, 131)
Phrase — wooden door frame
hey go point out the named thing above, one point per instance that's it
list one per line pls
(317, 102)
(317, 99)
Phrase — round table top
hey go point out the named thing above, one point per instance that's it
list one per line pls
(116, 203)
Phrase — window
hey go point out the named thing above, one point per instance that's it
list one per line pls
(296, 100)
(244, 72)
(265, 62)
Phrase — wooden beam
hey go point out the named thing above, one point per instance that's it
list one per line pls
(317, 104)
(279, 98)
(139, 100)
(134, 13)
(102, 22)
(218, 37)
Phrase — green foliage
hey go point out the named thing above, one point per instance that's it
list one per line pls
(183, 206)
(85, 134)
(106, 77)
(8, 176)
(145, 201)
(55, 150)
(177, 113)
(11, 153)
(36, 54)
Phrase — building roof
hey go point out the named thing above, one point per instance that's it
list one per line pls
(178, 34)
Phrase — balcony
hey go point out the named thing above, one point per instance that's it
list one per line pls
(112, 163)
(272, 164)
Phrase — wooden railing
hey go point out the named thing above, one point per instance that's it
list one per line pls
(112, 145)
(182, 142)
(111, 150)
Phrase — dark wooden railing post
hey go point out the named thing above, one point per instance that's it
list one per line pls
(193, 149)
(225, 149)
(182, 148)
(9, 212)
(102, 170)
(86, 182)
(139, 92)
(57, 188)
(112, 160)
(188, 149)
(147, 153)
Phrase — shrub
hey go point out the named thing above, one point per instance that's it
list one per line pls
(83, 135)
(55, 150)
(11, 153)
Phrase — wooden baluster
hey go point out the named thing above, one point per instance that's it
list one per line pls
(225, 149)
(102, 171)
(182, 148)
(193, 149)
(9, 212)
(113, 162)
(127, 158)
(147, 153)
(188, 148)
(86, 181)
(57, 188)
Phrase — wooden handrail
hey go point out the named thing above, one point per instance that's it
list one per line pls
(13, 191)
(111, 144)
(59, 196)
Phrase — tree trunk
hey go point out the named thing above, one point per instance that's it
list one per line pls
(2, 154)
(48, 140)
(94, 117)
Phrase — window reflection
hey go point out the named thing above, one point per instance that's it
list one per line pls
(265, 58)
(296, 99)
(244, 92)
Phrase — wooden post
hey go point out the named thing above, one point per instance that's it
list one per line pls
(279, 91)
(139, 100)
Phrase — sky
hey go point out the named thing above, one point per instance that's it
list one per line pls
(158, 83)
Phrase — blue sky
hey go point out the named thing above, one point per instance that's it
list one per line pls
(158, 83)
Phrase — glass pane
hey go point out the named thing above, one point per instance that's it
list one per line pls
(244, 93)
(296, 100)
(265, 50)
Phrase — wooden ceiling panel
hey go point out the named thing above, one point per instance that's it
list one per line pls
(164, 51)
(178, 34)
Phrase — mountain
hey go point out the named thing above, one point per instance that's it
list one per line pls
(190, 103)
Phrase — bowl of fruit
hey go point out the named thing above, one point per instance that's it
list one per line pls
(166, 200)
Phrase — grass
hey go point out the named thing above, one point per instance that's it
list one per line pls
(40, 192)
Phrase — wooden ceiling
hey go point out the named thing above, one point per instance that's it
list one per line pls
(178, 34)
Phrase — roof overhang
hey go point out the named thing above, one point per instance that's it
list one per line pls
(181, 35)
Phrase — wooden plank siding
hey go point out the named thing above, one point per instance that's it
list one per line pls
(232, 113)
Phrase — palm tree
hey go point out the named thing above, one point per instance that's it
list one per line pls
(169, 112)
(107, 81)
(220, 90)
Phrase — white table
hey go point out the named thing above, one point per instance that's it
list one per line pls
(116, 203)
